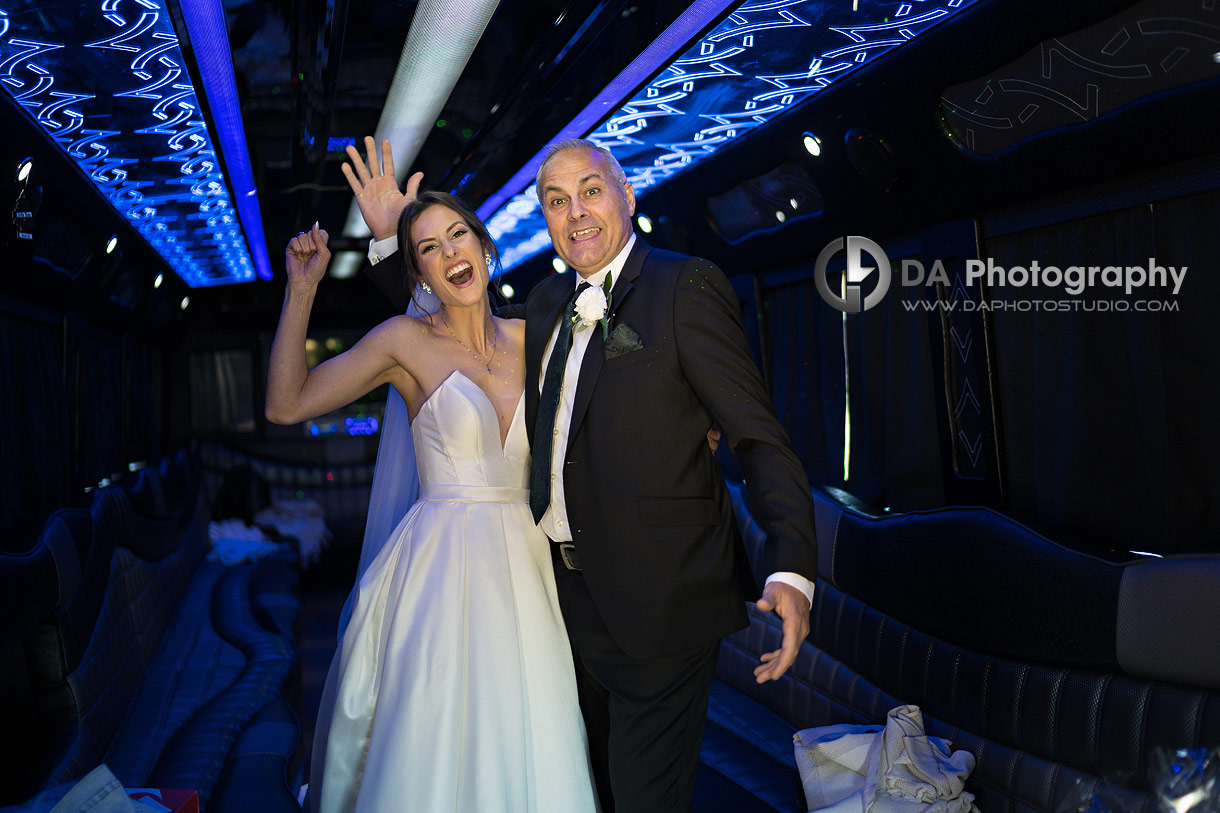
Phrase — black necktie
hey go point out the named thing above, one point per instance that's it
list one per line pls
(548, 405)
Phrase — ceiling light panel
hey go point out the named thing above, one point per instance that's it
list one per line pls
(443, 35)
(109, 83)
(757, 63)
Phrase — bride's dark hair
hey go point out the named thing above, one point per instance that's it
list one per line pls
(422, 203)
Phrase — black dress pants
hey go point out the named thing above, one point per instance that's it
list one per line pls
(644, 716)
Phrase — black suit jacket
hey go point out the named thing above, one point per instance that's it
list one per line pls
(650, 514)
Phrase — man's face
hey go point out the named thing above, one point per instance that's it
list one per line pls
(587, 212)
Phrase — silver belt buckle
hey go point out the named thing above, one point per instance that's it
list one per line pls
(567, 552)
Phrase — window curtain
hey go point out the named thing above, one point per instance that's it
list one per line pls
(34, 437)
(142, 402)
(807, 382)
(1110, 417)
(99, 398)
(875, 365)
(895, 450)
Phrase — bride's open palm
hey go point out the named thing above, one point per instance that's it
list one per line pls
(376, 187)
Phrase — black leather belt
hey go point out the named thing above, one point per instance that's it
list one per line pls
(567, 554)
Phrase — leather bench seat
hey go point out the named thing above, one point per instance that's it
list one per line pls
(147, 657)
(1052, 698)
(746, 757)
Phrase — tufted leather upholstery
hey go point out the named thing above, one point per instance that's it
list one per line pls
(218, 702)
(258, 764)
(1044, 724)
(147, 494)
(47, 573)
(104, 636)
(147, 657)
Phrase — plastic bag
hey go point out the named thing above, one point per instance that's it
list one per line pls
(1187, 780)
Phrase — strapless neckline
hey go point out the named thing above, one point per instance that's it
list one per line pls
(484, 399)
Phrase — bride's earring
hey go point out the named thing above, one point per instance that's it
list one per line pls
(487, 258)
(427, 288)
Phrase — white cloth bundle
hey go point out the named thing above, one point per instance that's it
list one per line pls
(895, 768)
(302, 520)
(233, 542)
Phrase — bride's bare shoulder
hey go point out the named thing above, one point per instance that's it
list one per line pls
(406, 327)
(513, 328)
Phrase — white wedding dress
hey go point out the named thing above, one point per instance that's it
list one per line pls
(453, 687)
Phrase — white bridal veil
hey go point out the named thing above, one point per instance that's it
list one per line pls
(395, 477)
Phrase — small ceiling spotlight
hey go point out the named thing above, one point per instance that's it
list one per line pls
(507, 290)
(24, 169)
(186, 300)
(794, 203)
(645, 224)
(112, 243)
(559, 265)
(813, 144)
(780, 216)
(157, 282)
(1216, 57)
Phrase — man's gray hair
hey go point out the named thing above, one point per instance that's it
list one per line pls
(616, 170)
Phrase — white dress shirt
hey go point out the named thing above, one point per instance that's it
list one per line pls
(380, 249)
(555, 521)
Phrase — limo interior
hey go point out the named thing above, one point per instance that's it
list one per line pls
(1012, 450)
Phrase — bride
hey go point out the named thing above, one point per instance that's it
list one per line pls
(453, 686)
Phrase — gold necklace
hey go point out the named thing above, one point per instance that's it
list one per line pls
(469, 349)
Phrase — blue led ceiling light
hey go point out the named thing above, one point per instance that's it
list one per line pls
(758, 62)
(107, 81)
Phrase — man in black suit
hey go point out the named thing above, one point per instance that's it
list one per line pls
(650, 565)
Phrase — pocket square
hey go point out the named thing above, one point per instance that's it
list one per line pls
(622, 340)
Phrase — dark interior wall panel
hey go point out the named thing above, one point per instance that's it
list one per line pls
(1108, 413)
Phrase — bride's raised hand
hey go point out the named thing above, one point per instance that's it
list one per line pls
(306, 257)
(376, 188)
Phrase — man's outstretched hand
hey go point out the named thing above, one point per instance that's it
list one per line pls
(376, 188)
(790, 605)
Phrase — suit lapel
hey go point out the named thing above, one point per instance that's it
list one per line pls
(591, 365)
(541, 312)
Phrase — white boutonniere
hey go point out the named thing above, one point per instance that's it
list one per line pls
(592, 305)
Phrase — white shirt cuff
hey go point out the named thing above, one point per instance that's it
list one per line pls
(380, 249)
(796, 580)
